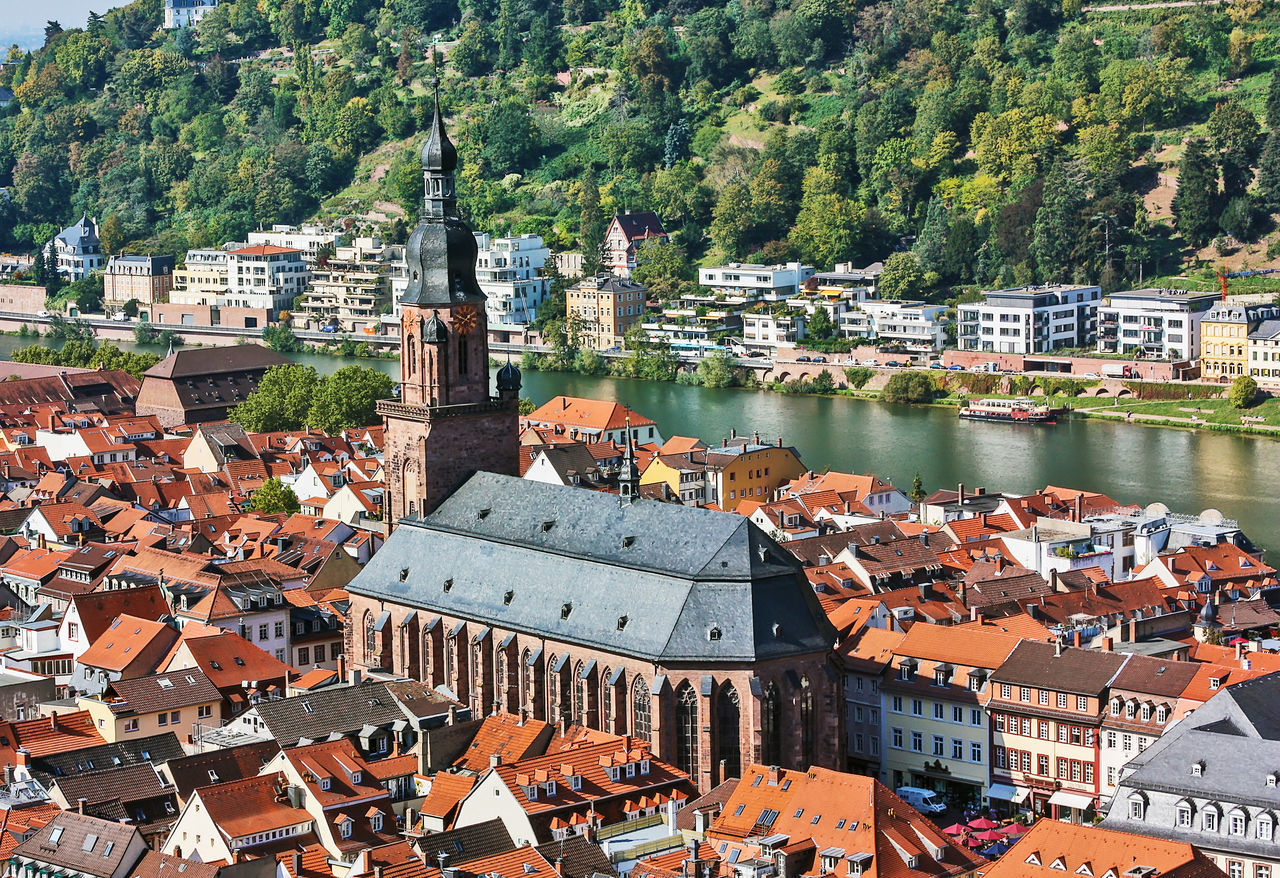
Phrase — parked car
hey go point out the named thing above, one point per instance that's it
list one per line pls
(122, 318)
(955, 368)
(802, 359)
(869, 363)
(819, 359)
(329, 328)
(936, 366)
(1093, 375)
(894, 364)
(42, 313)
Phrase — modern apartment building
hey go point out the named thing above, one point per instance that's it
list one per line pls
(510, 271)
(349, 289)
(201, 278)
(1030, 320)
(1151, 323)
(918, 326)
(607, 306)
(186, 13)
(752, 282)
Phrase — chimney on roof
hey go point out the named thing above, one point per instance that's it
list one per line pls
(1107, 644)
(960, 493)
(779, 441)
(377, 871)
(80, 803)
(297, 863)
(559, 865)
(1075, 639)
(733, 432)
(924, 591)
(495, 759)
(1133, 630)
(691, 860)
(1057, 647)
(1055, 584)
(53, 721)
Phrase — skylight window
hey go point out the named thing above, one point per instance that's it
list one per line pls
(90, 841)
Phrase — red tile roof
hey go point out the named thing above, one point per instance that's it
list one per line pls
(1052, 849)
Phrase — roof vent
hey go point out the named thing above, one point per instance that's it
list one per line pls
(483, 514)
(448, 585)
(622, 622)
(506, 598)
(404, 573)
(628, 542)
(565, 610)
(548, 524)
(714, 633)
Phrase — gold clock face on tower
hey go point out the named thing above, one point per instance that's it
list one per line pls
(465, 320)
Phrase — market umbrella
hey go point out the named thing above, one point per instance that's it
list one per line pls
(989, 835)
(956, 829)
(996, 850)
(973, 842)
(1016, 829)
(983, 823)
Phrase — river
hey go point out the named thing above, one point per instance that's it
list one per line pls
(1188, 470)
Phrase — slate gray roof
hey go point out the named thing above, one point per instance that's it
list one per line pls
(317, 715)
(581, 858)
(70, 853)
(168, 691)
(188, 773)
(467, 843)
(83, 233)
(652, 580)
(139, 751)
(129, 783)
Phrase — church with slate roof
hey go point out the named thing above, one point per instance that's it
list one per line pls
(687, 627)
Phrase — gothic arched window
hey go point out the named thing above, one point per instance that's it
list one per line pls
(806, 723)
(728, 748)
(526, 679)
(771, 727)
(641, 704)
(687, 730)
(579, 695)
(370, 640)
(606, 698)
(428, 669)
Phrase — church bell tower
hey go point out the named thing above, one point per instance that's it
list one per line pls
(445, 426)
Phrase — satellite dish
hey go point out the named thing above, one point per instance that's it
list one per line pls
(1211, 517)
(1156, 510)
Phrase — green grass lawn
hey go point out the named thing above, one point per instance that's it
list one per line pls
(1213, 411)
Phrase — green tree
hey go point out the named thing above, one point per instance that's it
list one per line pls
(527, 406)
(1056, 231)
(1269, 172)
(272, 498)
(510, 139)
(903, 278)
(931, 244)
(347, 399)
(732, 220)
(820, 325)
(823, 382)
(542, 52)
(917, 492)
(281, 401)
(1195, 205)
(473, 53)
(909, 387)
(1272, 111)
(1244, 390)
(663, 267)
(281, 339)
(716, 370)
(1233, 135)
(1106, 152)
(508, 31)
(357, 125)
(829, 226)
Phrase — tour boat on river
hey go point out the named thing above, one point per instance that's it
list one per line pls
(1014, 411)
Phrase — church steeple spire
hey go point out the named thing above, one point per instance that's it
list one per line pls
(439, 161)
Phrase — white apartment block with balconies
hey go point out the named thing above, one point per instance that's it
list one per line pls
(1030, 320)
(510, 271)
(915, 325)
(752, 282)
(1153, 324)
(264, 276)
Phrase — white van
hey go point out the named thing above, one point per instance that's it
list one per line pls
(921, 799)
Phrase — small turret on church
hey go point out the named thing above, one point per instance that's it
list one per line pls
(445, 426)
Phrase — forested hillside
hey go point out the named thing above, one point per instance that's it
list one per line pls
(985, 142)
